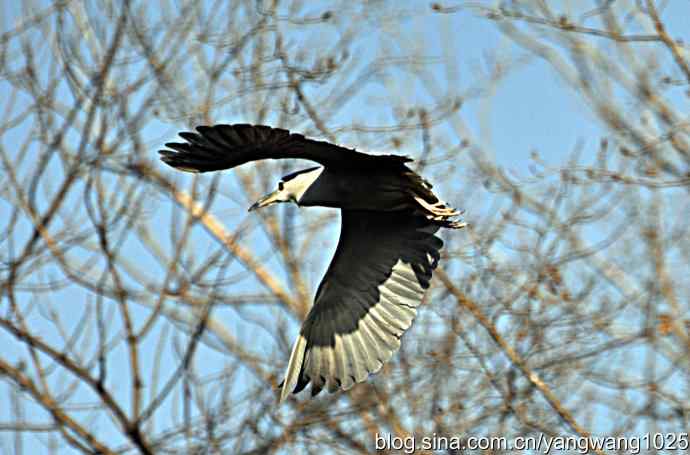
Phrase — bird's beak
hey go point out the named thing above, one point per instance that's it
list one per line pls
(266, 200)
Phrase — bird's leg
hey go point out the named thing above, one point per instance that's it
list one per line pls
(441, 213)
(438, 209)
(445, 222)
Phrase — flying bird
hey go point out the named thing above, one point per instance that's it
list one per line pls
(385, 256)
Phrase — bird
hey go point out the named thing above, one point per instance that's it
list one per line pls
(384, 259)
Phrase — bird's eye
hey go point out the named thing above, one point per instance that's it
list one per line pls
(280, 186)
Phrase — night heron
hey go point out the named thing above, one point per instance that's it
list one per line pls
(385, 256)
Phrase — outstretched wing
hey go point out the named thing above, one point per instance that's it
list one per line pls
(365, 302)
(217, 147)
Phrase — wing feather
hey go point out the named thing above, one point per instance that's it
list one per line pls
(217, 147)
(367, 299)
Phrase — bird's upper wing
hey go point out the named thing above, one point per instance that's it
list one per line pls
(217, 147)
(365, 302)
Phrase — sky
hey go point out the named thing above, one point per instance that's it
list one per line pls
(533, 109)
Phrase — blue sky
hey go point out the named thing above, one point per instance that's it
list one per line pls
(531, 109)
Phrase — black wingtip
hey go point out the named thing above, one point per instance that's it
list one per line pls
(200, 153)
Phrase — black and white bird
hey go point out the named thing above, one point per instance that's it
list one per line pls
(385, 255)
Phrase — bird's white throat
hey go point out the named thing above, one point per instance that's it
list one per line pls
(302, 182)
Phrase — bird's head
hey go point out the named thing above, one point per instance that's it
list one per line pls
(291, 188)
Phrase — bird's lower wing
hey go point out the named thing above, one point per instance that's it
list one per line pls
(366, 301)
